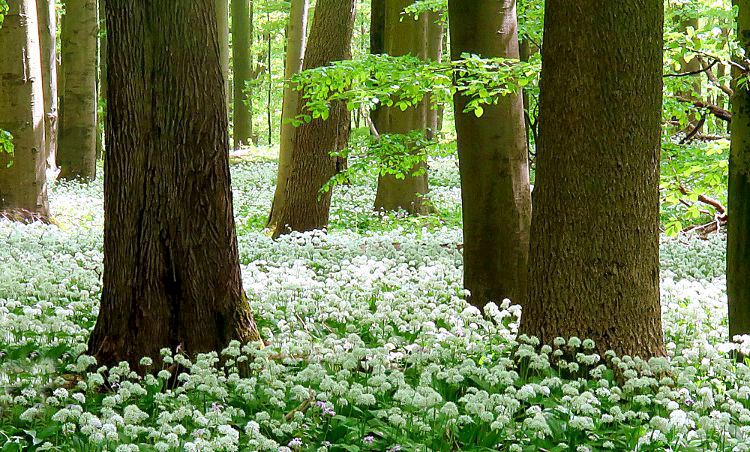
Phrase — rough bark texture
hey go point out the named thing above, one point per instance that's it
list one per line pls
(738, 235)
(242, 38)
(420, 38)
(76, 155)
(47, 40)
(305, 207)
(295, 54)
(495, 191)
(171, 267)
(594, 258)
(23, 184)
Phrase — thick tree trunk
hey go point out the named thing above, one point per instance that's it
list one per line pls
(421, 38)
(23, 183)
(295, 53)
(594, 258)
(47, 39)
(76, 154)
(242, 57)
(305, 207)
(738, 235)
(171, 266)
(495, 191)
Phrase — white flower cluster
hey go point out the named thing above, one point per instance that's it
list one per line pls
(372, 344)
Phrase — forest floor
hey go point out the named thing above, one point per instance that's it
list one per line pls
(372, 346)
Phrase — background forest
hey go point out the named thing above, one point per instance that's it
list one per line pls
(307, 225)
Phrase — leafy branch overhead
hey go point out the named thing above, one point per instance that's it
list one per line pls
(403, 82)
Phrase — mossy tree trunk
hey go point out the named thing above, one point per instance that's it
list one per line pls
(305, 207)
(22, 175)
(242, 58)
(594, 258)
(738, 234)
(495, 191)
(76, 154)
(171, 266)
(295, 53)
(422, 38)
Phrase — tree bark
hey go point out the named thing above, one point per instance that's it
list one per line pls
(222, 22)
(305, 207)
(171, 266)
(23, 183)
(492, 153)
(738, 231)
(421, 38)
(242, 56)
(594, 258)
(295, 53)
(101, 82)
(48, 39)
(76, 155)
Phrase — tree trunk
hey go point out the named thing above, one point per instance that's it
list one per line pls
(594, 257)
(295, 53)
(242, 38)
(495, 191)
(47, 39)
(222, 22)
(101, 85)
(23, 184)
(76, 155)
(421, 38)
(738, 234)
(305, 207)
(171, 267)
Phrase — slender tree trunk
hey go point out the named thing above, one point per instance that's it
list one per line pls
(691, 65)
(295, 53)
(76, 154)
(738, 235)
(23, 183)
(269, 84)
(242, 56)
(305, 207)
(495, 191)
(101, 83)
(222, 22)
(47, 39)
(421, 38)
(377, 47)
(171, 267)
(594, 257)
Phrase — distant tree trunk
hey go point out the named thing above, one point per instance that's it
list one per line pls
(76, 154)
(269, 84)
(296, 40)
(242, 57)
(23, 184)
(171, 267)
(691, 65)
(594, 259)
(377, 46)
(222, 22)
(101, 85)
(495, 191)
(738, 234)
(47, 38)
(422, 38)
(305, 207)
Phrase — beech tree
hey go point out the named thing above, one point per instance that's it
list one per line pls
(594, 253)
(492, 153)
(242, 39)
(47, 40)
(423, 38)
(738, 232)
(76, 154)
(295, 53)
(171, 267)
(304, 207)
(22, 173)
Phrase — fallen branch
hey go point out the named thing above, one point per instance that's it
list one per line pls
(713, 109)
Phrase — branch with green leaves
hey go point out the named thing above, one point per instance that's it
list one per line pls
(405, 81)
